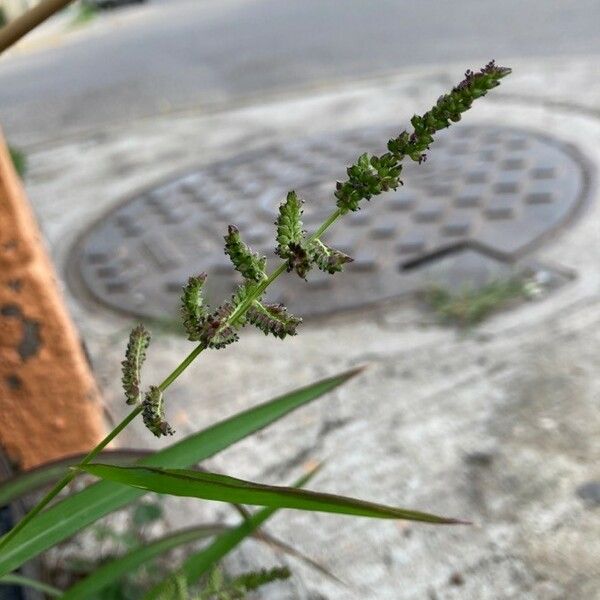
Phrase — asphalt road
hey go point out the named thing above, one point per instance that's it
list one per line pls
(177, 54)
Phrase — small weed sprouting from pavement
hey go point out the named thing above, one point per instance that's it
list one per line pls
(84, 13)
(471, 306)
(19, 160)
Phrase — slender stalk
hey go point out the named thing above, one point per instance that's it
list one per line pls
(181, 367)
(21, 26)
(247, 303)
(327, 223)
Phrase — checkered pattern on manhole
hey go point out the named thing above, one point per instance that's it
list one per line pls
(498, 188)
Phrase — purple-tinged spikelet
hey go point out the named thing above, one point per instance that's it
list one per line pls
(154, 413)
(139, 339)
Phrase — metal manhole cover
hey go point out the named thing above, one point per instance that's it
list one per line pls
(494, 189)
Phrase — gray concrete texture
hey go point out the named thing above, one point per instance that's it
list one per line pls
(179, 54)
(489, 192)
(499, 425)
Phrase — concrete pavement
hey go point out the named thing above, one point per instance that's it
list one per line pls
(497, 425)
(175, 55)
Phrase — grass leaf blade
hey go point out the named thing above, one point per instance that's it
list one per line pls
(35, 479)
(212, 486)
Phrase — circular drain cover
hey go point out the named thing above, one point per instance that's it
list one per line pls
(490, 190)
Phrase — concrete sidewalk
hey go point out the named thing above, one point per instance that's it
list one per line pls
(499, 425)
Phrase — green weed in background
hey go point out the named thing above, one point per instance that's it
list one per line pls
(471, 306)
(84, 13)
(19, 160)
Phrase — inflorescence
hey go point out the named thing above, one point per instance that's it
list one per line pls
(369, 176)
(372, 175)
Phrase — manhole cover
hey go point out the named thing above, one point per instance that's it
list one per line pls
(492, 190)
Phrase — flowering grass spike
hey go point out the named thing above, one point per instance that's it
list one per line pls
(299, 252)
(372, 175)
(369, 176)
(289, 223)
(291, 242)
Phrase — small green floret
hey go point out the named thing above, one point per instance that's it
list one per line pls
(328, 259)
(250, 265)
(273, 319)
(193, 310)
(289, 224)
(154, 413)
(135, 355)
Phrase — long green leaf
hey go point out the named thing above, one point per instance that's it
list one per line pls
(33, 480)
(14, 579)
(212, 486)
(199, 563)
(79, 510)
(114, 570)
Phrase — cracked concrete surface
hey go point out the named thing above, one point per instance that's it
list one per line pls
(499, 425)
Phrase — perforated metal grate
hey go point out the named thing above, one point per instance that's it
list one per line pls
(496, 190)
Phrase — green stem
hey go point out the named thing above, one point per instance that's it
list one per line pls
(243, 306)
(327, 223)
(183, 365)
(239, 311)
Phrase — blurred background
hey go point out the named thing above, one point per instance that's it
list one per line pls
(143, 128)
(169, 55)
